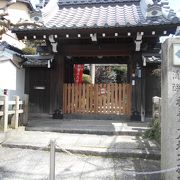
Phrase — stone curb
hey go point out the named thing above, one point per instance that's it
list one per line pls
(120, 153)
(77, 131)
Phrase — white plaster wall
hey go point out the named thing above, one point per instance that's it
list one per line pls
(12, 78)
(16, 11)
(20, 84)
(7, 75)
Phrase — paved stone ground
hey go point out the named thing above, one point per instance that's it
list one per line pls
(104, 145)
(24, 164)
(119, 151)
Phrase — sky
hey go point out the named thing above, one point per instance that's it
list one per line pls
(175, 4)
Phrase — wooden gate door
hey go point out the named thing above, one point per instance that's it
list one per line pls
(39, 91)
(97, 99)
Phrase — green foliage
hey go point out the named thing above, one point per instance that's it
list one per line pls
(29, 50)
(86, 79)
(32, 45)
(105, 74)
(156, 72)
(154, 132)
(121, 74)
(120, 69)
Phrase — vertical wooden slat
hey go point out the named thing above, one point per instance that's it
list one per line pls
(75, 98)
(79, 98)
(105, 99)
(112, 98)
(83, 99)
(124, 95)
(103, 110)
(69, 99)
(91, 98)
(116, 98)
(122, 99)
(96, 98)
(100, 99)
(108, 98)
(87, 98)
(130, 99)
(125, 100)
(65, 98)
(127, 87)
(72, 102)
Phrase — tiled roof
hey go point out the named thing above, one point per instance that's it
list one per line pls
(118, 15)
(37, 60)
(97, 17)
(90, 2)
(4, 45)
(74, 14)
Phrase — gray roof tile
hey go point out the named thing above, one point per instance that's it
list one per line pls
(90, 2)
(96, 16)
(105, 13)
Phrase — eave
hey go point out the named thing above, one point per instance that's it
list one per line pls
(61, 33)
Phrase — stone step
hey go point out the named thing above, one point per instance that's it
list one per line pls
(88, 144)
(99, 127)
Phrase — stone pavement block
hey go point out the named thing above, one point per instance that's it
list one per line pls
(98, 168)
(105, 127)
(25, 164)
(86, 144)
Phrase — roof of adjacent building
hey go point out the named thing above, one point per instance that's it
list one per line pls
(9, 53)
(28, 2)
(37, 60)
(5, 45)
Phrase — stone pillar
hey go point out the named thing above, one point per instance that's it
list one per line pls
(143, 93)
(93, 73)
(156, 109)
(170, 108)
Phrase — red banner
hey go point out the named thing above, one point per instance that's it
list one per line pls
(78, 72)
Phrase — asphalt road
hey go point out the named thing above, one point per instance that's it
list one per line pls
(24, 164)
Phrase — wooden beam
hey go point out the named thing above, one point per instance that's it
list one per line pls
(85, 32)
(104, 60)
(94, 50)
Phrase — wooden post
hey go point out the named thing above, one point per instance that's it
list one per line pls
(15, 118)
(57, 82)
(25, 109)
(4, 121)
